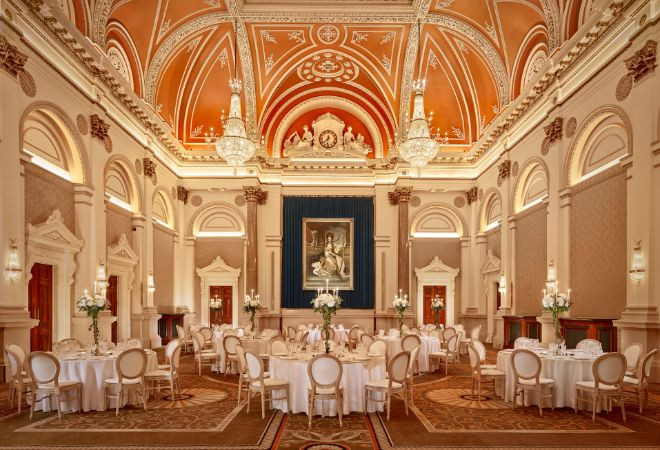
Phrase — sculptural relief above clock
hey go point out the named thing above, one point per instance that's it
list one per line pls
(329, 137)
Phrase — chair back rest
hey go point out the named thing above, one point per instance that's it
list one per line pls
(255, 367)
(410, 341)
(239, 331)
(481, 349)
(132, 343)
(413, 357)
(277, 345)
(325, 371)
(393, 332)
(181, 332)
(69, 345)
(14, 364)
(475, 358)
(646, 366)
(378, 348)
(43, 368)
(131, 364)
(452, 343)
(353, 332)
(207, 333)
(526, 365)
(447, 333)
(459, 327)
(175, 356)
(331, 333)
(304, 337)
(590, 345)
(434, 333)
(170, 347)
(415, 331)
(229, 343)
(198, 342)
(366, 340)
(633, 355)
(522, 342)
(397, 368)
(291, 332)
(475, 332)
(302, 327)
(242, 362)
(609, 369)
(18, 350)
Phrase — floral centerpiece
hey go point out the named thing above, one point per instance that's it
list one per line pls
(327, 303)
(215, 305)
(556, 302)
(251, 305)
(437, 305)
(93, 305)
(400, 304)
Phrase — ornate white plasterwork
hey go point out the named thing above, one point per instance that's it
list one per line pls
(533, 66)
(121, 262)
(119, 61)
(54, 244)
(101, 13)
(249, 85)
(436, 273)
(218, 273)
(551, 15)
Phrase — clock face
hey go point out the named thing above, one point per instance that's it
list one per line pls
(328, 139)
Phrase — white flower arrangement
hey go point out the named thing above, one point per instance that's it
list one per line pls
(327, 303)
(215, 304)
(251, 303)
(556, 303)
(437, 304)
(91, 305)
(400, 304)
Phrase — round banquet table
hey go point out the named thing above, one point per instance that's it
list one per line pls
(565, 370)
(258, 346)
(354, 376)
(315, 335)
(91, 372)
(429, 345)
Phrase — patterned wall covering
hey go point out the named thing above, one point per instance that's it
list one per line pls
(164, 270)
(494, 241)
(231, 250)
(598, 247)
(531, 260)
(448, 250)
(45, 192)
(117, 221)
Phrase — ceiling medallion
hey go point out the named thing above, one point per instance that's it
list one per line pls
(328, 67)
(328, 34)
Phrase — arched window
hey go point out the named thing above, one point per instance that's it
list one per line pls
(120, 187)
(162, 209)
(218, 220)
(531, 186)
(491, 212)
(437, 220)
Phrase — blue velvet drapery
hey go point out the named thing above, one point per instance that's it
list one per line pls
(361, 210)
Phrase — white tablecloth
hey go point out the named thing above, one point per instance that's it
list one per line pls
(354, 376)
(429, 345)
(315, 335)
(566, 371)
(258, 346)
(91, 372)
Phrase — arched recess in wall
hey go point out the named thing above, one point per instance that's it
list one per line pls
(217, 219)
(531, 186)
(490, 215)
(162, 208)
(603, 139)
(438, 220)
(48, 134)
(121, 184)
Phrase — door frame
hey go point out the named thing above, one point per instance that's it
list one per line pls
(218, 273)
(52, 243)
(436, 273)
(122, 261)
(490, 273)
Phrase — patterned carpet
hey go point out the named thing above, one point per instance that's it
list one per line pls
(443, 416)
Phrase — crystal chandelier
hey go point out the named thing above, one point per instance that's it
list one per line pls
(233, 146)
(419, 147)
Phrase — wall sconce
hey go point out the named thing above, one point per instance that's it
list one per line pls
(637, 271)
(502, 286)
(151, 287)
(13, 267)
(101, 283)
(551, 282)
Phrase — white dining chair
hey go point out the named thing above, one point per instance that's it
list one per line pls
(394, 384)
(633, 354)
(169, 349)
(184, 337)
(130, 367)
(208, 336)
(291, 333)
(277, 346)
(19, 382)
(229, 344)
(243, 378)
(44, 373)
(324, 372)
(527, 377)
(609, 371)
(481, 349)
(169, 374)
(481, 374)
(201, 356)
(366, 340)
(640, 385)
(410, 376)
(377, 348)
(408, 344)
(447, 355)
(264, 386)
(590, 345)
(523, 343)
(446, 334)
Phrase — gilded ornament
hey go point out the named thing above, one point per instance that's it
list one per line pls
(571, 126)
(149, 168)
(623, 87)
(643, 62)
(99, 128)
(472, 195)
(182, 194)
(12, 60)
(399, 195)
(26, 81)
(255, 194)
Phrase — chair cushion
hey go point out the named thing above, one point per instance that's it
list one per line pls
(630, 380)
(533, 382)
(210, 355)
(384, 384)
(441, 354)
(326, 391)
(159, 373)
(491, 373)
(62, 383)
(163, 366)
(264, 355)
(124, 381)
(591, 385)
(488, 366)
(629, 373)
(270, 382)
(208, 350)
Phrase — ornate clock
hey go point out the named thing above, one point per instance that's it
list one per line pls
(328, 139)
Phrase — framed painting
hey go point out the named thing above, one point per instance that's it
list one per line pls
(327, 253)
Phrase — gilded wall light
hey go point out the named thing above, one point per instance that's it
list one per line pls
(13, 267)
(502, 286)
(101, 283)
(637, 271)
(151, 287)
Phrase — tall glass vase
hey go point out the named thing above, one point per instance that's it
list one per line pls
(94, 327)
(558, 336)
(327, 318)
(401, 325)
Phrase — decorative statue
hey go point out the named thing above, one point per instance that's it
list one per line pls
(348, 137)
(307, 135)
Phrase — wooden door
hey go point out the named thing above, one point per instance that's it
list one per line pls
(112, 299)
(225, 294)
(429, 293)
(40, 303)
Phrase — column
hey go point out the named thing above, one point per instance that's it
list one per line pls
(401, 196)
(254, 197)
(467, 301)
(189, 279)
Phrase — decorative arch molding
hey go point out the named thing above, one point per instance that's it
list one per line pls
(119, 60)
(101, 14)
(532, 183)
(121, 262)
(78, 155)
(613, 119)
(218, 273)
(436, 273)
(162, 198)
(218, 216)
(53, 243)
(124, 165)
(439, 217)
(488, 211)
(324, 102)
(123, 39)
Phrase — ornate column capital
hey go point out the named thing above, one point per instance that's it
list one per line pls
(182, 194)
(148, 168)
(12, 60)
(472, 195)
(255, 194)
(400, 194)
(504, 171)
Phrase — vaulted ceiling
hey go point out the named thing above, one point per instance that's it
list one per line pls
(355, 58)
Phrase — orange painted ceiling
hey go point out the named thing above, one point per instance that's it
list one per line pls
(476, 56)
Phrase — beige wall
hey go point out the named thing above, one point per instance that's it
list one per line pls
(494, 241)
(598, 246)
(164, 269)
(530, 254)
(45, 192)
(118, 221)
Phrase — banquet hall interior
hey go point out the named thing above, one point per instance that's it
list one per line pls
(329, 224)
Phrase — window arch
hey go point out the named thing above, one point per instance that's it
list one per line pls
(491, 210)
(121, 185)
(438, 220)
(218, 219)
(162, 208)
(531, 186)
